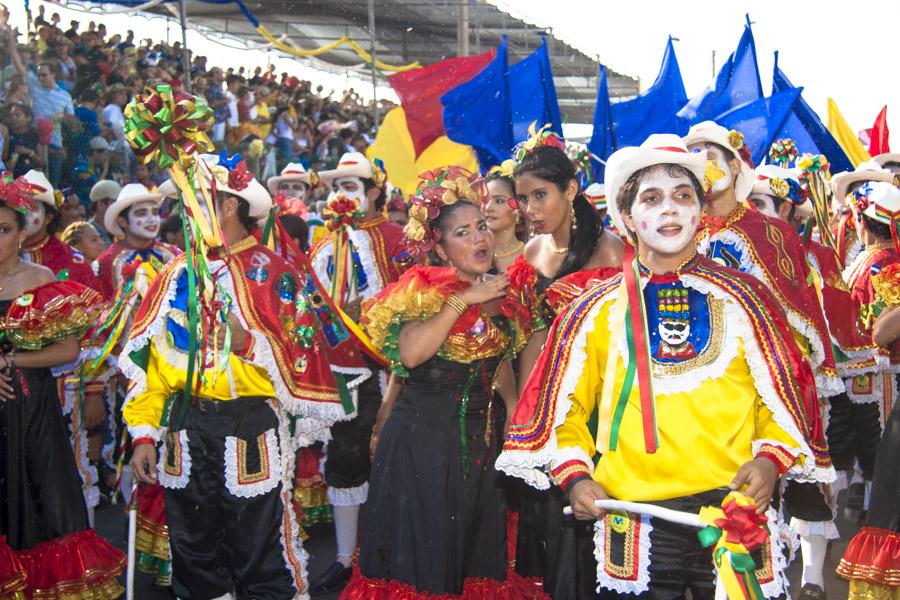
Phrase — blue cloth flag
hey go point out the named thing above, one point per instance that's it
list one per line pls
(603, 140)
(477, 112)
(654, 110)
(761, 120)
(807, 130)
(736, 84)
(534, 99)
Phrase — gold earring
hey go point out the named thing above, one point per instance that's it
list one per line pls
(572, 212)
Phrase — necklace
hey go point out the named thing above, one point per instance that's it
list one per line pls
(12, 273)
(554, 248)
(507, 253)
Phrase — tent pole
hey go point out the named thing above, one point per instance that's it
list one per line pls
(185, 59)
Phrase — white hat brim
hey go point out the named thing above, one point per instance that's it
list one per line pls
(119, 206)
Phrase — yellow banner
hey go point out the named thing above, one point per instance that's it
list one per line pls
(845, 136)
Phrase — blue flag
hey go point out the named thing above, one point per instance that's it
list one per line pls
(535, 94)
(603, 140)
(761, 120)
(654, 110)
(736, 84)
(807, 130)
(477, 112)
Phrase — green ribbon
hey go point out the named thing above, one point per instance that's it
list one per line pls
(463, 407)
(627, 384)
(709, 536)
(344, 393)
(193, 315)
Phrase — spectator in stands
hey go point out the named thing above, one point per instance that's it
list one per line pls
(23, 151)
(218, 102)
(92, 169)
(71, 210)
(102, 195)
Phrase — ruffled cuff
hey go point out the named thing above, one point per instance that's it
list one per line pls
(141, 431)
(571, 465)
(783, 458)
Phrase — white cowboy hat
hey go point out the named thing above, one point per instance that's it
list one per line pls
(883, 159)
(596, 195)
(352, 164)
(713, 133)
(105, 188)
(42, 188)
(130, 195)
(885, 196)
(658, 149)
(767, 175)
(255, 194)
(865, 171)
(167, 189)
(291, 172)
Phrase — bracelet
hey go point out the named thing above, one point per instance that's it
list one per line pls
(457, 304)
(11, 359)
(142, 440)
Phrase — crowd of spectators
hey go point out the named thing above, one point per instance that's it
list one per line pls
(63, 90)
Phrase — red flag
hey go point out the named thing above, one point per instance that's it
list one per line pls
(880, 135)
(420, 94)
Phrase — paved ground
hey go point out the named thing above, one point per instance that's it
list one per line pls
(112, 524)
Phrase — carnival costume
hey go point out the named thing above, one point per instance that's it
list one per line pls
(224, 416)
(724, 365)
(52, 552)
(435, 523)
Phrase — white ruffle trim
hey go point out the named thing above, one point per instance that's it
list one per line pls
(291, 547)
(363, 245)
(145, 431)
(781, 542)
(176, 482)
(353, 496)
(829, 385)
(622, 586)
(808, 471)
(530, 465)
(232, 467)
(567, 453)
(807, 528)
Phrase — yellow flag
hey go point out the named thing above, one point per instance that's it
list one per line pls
(845, 136)
(394, 147)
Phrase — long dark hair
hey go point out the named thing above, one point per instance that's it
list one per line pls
(551, 164)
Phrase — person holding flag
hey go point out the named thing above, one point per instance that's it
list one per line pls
(359, 257)
(672, 384)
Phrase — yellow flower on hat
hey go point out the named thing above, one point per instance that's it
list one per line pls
(414, 230)
(221, 174)
(736, 139)
(779, 187)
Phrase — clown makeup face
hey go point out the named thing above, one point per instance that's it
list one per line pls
(716, 153)
(143, 220)
(352, 188)
(36, 219)
(293, 189)
(501, 207)
(765, 204)
(665, 213)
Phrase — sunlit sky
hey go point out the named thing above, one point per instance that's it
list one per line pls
(843, 50)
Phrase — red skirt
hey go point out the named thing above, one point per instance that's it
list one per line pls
(515, 587)
(873, 556)
(12, 576)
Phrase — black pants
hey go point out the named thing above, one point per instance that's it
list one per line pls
(347, 464)
(231, 526)
(854, 430)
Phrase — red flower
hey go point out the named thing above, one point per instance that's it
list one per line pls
(239, 178)
(17, 194)
(742, 525)
(44, 129)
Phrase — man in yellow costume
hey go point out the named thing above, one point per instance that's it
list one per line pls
(734, 402)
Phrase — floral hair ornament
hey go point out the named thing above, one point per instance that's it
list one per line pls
(584, 160)
(788, 189)
(438, 188)
(504, 169)
(16, 193)
(538, 138)
(858, 199)
(58, 198)
(379, 174)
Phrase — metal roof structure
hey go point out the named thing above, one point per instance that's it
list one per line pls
(415, 30)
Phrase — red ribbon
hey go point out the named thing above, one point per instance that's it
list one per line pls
(743, 525)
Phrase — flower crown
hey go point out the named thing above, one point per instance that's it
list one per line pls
(16, 193)
(438, 188)
(536, 139)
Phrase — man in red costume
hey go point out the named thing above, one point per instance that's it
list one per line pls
(371, 259)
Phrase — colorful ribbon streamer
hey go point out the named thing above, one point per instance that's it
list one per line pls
(733, 531)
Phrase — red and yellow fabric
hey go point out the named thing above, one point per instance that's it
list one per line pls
(152, 536)
(564, 290)
(873, 559)
(421, 293)
(49, 313)
(869, 279)
(277, 362)
(113, 265)
(774, 407)
(12, 576)
(63, 260)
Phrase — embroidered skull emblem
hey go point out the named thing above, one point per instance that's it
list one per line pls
(674, 332)
(674, 324)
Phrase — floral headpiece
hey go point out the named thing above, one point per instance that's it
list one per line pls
(379, 174)
(58, 198)
(859, 198)
(396, 203)
(788, 189)
(537, 138)
(582, 158)
(232, 171)
(438, 188)
(736, 141)
(504, 169)
(16, 193)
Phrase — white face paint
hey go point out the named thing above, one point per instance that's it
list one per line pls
(351, 187)
(666, 212)
(34, 219)
(293, 189)
(714, 153)
(765, 204)
(143, 220)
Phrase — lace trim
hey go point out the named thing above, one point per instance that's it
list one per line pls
(807, 528)
(622, 586)
(238, 480)
(363, 244)
(353, 496)
(180, 475)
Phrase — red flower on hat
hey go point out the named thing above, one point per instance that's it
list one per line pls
(239, 177)
(17, 194)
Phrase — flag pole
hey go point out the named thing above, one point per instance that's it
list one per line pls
(185, 59)
(372, 64)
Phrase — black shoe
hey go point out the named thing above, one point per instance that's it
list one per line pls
(811, 591)
(332, 580)
(855, 496)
